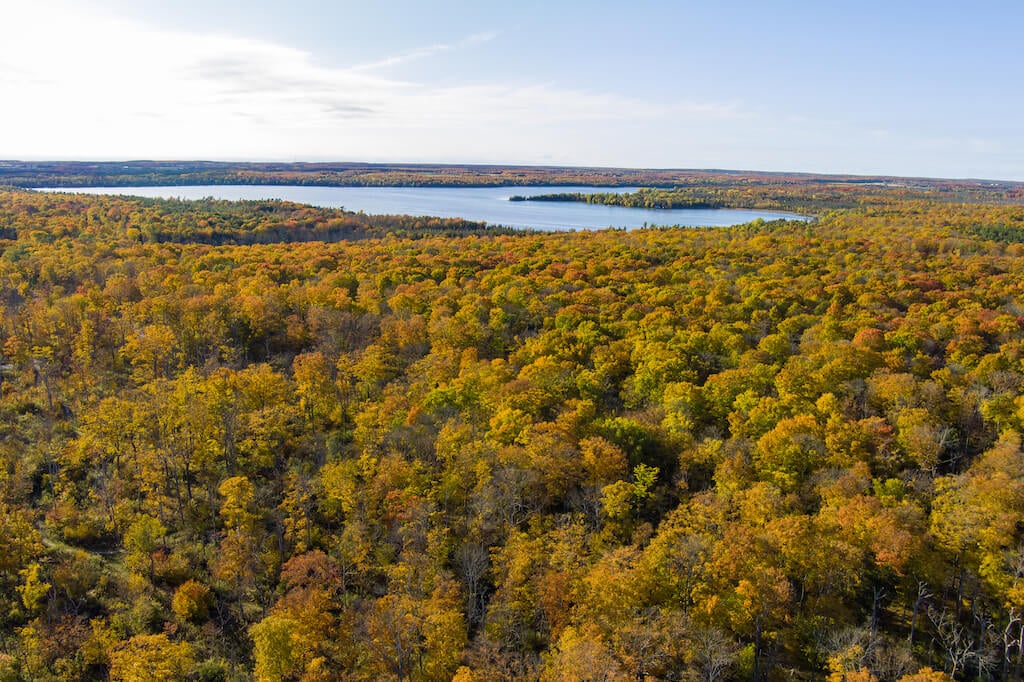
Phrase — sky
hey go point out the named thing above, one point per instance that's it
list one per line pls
(902, 87)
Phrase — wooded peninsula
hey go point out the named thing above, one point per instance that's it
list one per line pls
(260, 440)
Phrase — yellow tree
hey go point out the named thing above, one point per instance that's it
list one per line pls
(151, 658)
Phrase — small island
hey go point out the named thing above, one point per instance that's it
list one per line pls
(642, 198)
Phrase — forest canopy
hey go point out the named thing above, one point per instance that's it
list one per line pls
(264, 441)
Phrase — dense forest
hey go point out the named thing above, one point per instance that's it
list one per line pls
(715, 188)
(141, 173)
(266, 441)
(813, 195)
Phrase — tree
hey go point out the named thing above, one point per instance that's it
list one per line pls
(277, 648)
(141, 540)
(191, 601)
(151, 657)
(582, 656)
(789, 452)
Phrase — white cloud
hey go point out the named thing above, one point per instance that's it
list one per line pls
(79, 84)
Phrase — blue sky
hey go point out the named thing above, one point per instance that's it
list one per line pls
(905, 88)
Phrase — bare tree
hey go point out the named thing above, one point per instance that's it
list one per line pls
(471, 563)
(955, 639)
(922, 595)
(714, 653)
(1013, 639)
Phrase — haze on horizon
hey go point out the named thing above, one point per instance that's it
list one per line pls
(918, 89)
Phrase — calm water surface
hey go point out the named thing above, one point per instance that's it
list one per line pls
(485, 204)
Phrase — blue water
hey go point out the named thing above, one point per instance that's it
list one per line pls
(485, 204)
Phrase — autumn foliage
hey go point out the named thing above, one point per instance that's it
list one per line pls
(425, 451)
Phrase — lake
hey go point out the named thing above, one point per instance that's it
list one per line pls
(484, 204)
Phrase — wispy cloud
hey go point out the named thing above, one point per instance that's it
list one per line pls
(425, 52)
(482, 37)
(100, 86)
(411, 56)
